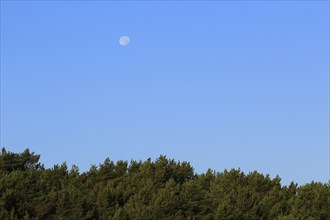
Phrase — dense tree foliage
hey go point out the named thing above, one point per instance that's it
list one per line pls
(161, 189)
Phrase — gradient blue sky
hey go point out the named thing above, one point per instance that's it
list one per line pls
(219, 84)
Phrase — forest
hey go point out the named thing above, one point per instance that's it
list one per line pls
(151, 189)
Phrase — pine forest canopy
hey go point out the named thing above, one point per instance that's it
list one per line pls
(160, 189)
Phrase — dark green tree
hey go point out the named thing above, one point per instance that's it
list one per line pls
(160, 189)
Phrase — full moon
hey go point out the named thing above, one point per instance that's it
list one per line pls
(124, 40)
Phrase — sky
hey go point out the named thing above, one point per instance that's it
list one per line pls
(227, 84)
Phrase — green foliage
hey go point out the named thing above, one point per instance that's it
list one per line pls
(160, 189)
(12, 161)
(312, 202)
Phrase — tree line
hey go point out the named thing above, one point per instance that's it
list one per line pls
(160, 189)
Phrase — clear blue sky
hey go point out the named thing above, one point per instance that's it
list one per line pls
(219, 84)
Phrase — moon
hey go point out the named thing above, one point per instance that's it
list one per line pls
(124, 40)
